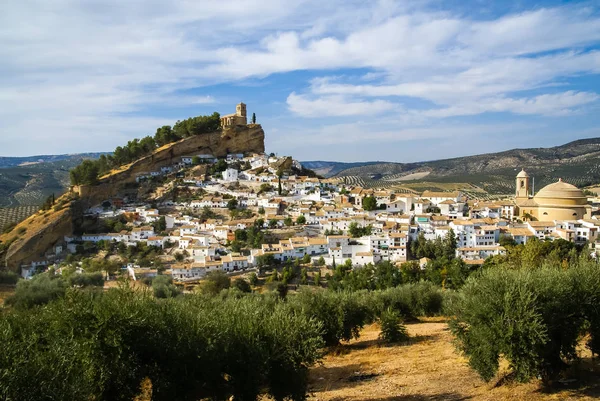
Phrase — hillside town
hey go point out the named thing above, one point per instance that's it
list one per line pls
(201, 212)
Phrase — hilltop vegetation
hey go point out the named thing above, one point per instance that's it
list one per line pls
(89, 171)
(576, 162)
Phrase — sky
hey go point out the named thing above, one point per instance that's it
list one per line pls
(340, 80)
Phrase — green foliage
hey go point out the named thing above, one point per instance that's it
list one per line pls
(434, 249)
(163, 287)
(242, 285)
(160, 224)
(317, 278)
(232, 204)
(253, 278)
(215, 282)
(190, 348)
(264, 188)
(251, 237)
(369, 203)
(88, 171)
(48, 203)
(356, 231)
(86, 280)
(341, 314)
(7, 277)
(533, 317)
(41, 289)
(392, 329)
(301, 220)
(409, 300)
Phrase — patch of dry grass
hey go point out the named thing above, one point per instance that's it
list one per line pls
(426, 368)
(5, 292)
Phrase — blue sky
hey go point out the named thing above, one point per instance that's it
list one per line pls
(336, 80)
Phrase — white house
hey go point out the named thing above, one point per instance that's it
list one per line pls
(230, 174)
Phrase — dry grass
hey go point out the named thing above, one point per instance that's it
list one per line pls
(5, 292)
(426, 368)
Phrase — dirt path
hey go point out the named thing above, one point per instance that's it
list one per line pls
(427, 368)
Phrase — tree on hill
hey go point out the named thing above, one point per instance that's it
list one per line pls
(253, 118)
(89, 171)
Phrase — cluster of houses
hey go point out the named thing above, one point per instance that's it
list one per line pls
(324, 213)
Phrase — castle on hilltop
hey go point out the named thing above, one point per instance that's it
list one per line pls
(237, 118)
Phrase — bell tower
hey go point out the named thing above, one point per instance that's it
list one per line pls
(240, 110)
(522, 191)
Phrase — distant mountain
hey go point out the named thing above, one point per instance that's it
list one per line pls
(30, 160)
(30, 180)
(577, 162)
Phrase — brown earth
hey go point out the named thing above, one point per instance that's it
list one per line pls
(427, 368)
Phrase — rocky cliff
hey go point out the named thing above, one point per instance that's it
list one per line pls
(29, 240)
(240, 139)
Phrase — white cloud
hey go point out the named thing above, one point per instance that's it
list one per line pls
(336, 106)
(97, 65)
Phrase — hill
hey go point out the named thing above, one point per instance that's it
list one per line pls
(576, 162)
(24, 182)
(31, 238)
(41, 159)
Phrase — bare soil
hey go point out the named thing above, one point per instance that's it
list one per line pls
(429, 368)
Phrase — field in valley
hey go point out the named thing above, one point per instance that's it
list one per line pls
(427, 368)
(15, 214)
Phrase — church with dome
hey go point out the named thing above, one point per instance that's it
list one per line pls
(557, 201)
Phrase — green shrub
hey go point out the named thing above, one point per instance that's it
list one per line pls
(215, 282)
(392, 329)
(86, 280)
(242, 285)
(342, 315)
(7, 277)
(534, 318)
(163, 287)
(410, 300)
(40, 290)
(190, 348)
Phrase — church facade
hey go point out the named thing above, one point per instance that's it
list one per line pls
(556, 201)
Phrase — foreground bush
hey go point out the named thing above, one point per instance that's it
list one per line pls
(40, 290)
(533, 318)
(392, 329)
(7, 277)
(102, 347)
(342, 314)
(410, 300)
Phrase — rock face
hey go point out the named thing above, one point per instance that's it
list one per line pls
(51, 229)
(43, 232)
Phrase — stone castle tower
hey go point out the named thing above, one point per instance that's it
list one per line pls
(522, 185)
(237, 118)
(240, 110)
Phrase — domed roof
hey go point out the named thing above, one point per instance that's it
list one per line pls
(522, 174)
(560, 190)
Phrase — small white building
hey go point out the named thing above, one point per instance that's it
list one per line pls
(230, 175)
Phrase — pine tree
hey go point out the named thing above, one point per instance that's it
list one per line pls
(253, 118)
